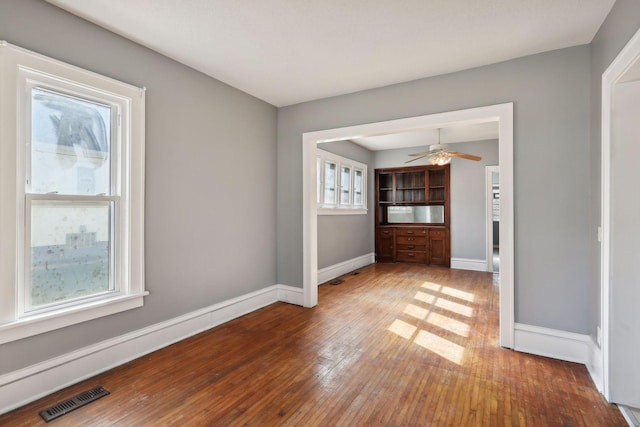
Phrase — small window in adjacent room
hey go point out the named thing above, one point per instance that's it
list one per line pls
(71, 184)
(341, 185)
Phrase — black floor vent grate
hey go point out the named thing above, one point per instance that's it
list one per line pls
(336, 282)
(75, 402)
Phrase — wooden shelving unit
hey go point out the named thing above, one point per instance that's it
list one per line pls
(423, 238)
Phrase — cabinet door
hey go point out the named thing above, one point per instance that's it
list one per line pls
(439, 247)
(384, 245)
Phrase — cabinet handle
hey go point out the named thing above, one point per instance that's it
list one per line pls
(410, 255)
(410, 238)
(411, 247)
(409, 232)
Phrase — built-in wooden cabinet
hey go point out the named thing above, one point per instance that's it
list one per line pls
(412, 215)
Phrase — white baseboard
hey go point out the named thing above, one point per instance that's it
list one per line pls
(469, 264)
(594, 364)
(629, 416)
(552, 343)
(337, 270)
(31, 383)
(291, 295)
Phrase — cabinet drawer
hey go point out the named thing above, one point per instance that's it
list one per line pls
(411, 256)
(437, 232)
(385, 231)
(413, 247)
(408, 240)
(411, 231)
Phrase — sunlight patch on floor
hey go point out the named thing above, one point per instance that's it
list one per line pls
(457, 293)
(424, 297)
(440, 346)
(454, 307)
(429, 340)
(449, 324)
(417, 312)
(403, 329)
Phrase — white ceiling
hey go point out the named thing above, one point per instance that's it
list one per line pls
(426, 137)
(290, 51)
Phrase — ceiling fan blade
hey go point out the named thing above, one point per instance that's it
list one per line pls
(420, 155)
(424, 153)
(465, 156)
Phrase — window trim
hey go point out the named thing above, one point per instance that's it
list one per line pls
(339, 208)
(17, 67)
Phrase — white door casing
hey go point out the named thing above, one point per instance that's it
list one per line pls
(501, 113)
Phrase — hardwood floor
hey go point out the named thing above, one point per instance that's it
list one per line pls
(395, 345)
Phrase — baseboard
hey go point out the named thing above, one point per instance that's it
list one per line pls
(26, 385)
(594, 364)
(290, 294)
(629, 416)
(337, 270)
(552, 343)
(469, 264)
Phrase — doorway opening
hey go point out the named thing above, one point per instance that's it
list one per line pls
(501, 113)
(493, 218)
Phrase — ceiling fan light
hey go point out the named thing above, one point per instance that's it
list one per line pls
(442, 158)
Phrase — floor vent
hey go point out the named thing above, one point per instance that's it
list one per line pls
(355, 273)
(336, 282)
(75, 402)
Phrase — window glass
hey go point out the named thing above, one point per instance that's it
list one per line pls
(330, 178)
(70, 144)
(345, 185)
(357, 187)
(71, 253)
(318, 180)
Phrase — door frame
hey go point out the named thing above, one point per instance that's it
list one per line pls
(500, 113)
(629, 55)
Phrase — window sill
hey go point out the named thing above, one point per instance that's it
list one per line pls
(341, 211)
(34, 325)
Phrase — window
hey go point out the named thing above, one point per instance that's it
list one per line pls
(330, 182)
(341, 185)
(71, 184)
(345, 185)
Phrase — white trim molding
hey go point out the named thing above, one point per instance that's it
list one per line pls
(469, 264)
(336, 270)
(31, 383)
(594, 364)
(552, 343)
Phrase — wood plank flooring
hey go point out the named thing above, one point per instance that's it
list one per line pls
(395, 345)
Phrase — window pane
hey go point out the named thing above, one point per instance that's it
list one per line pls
(330, 183)
(345, 185)
(319, 179)
(70, 250)
(357, 187)
(70, 144)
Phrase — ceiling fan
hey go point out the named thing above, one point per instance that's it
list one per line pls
(439, 154)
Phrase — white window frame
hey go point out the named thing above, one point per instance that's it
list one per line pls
(21, 70)
(338, 208)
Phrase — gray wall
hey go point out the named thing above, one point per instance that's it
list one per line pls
(343, 237)
(468, 208)
(621, 24)
(469, 200)
(550, 92)
(210, 178)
